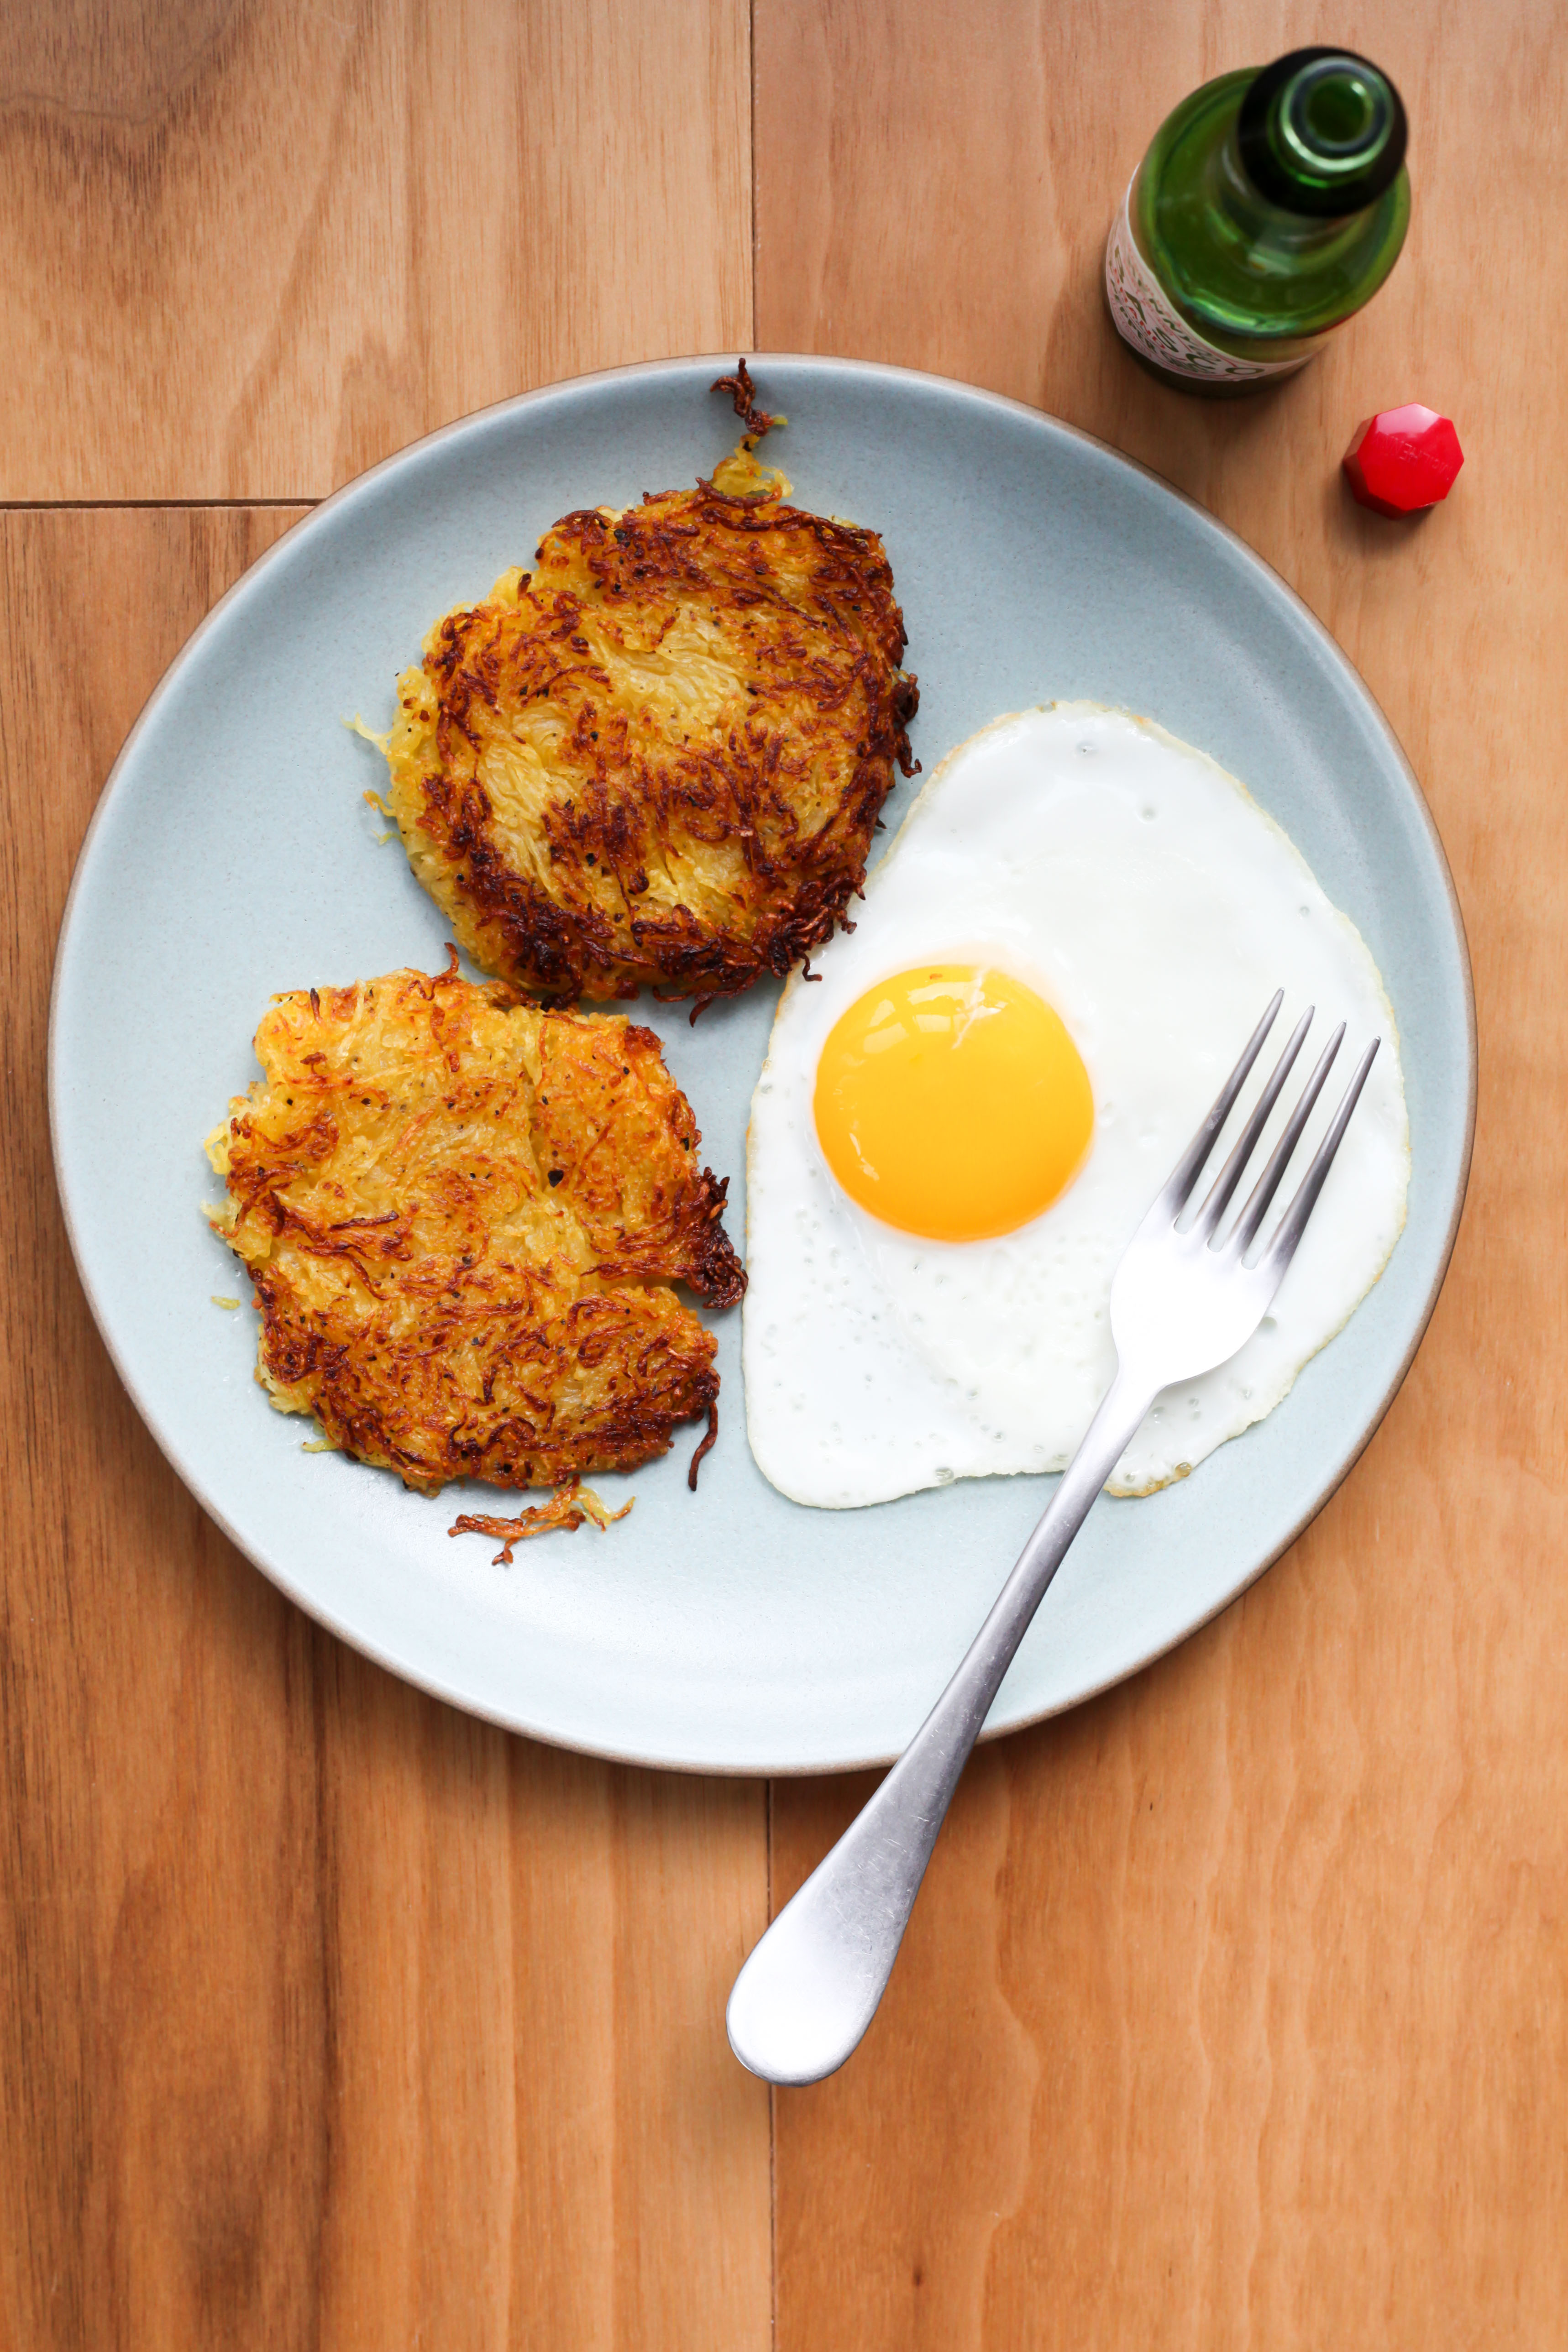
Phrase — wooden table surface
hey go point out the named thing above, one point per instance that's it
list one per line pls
(1235, 2012)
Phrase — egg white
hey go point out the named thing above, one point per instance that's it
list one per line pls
(1143, 893)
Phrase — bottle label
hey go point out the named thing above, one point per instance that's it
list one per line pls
(1145, 318)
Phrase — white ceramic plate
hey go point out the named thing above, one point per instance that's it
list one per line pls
(233, 856)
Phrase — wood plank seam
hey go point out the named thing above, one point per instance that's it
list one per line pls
(157, 506)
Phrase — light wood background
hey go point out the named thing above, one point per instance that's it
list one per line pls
(1235, 2014)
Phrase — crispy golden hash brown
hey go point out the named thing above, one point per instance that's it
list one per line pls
(463, 1216)
(658, 760)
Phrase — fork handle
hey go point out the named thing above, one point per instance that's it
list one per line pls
(812, 1984)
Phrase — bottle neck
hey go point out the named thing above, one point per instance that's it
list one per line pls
(1261, 225)
(1322, 133)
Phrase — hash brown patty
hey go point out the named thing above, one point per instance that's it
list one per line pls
(463, 1216)
(658, 760)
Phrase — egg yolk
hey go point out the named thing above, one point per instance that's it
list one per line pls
(951, 1102)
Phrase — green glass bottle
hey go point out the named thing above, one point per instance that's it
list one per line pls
(1268, 208)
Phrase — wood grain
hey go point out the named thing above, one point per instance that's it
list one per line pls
(251, 248)
(1235, 2011)
(326, 2016)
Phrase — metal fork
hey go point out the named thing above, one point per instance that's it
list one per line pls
(1184, 1300)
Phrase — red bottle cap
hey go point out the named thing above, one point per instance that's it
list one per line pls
(1403, 459)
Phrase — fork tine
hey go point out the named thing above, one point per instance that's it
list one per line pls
(1242, 1234)
(1189, 1167)
(1235, 1168)
(1282, 1248)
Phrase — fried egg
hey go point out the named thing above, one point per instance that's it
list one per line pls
(958, 1128)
